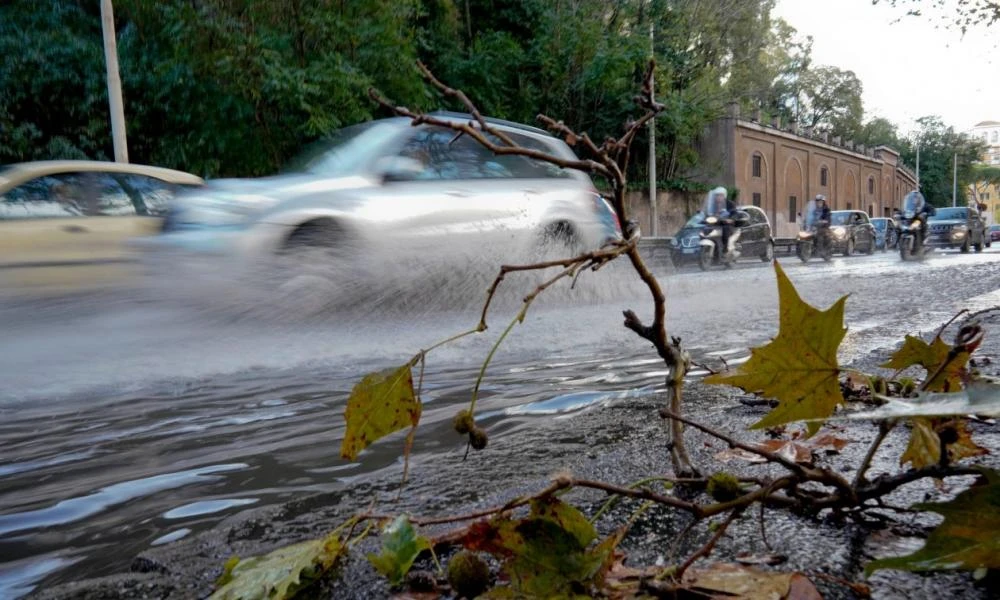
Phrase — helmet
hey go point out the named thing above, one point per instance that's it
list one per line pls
(820, 198)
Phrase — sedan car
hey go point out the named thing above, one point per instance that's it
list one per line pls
(994, 234)
(386, 186)
(755, 238)
(886, 233)
(64, 224)
(957, 227)
(851, 230)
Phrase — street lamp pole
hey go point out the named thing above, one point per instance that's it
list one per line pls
(653, 210)
(954, 181)
(114, 82)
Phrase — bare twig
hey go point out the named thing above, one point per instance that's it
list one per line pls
(705, 550)
(884, 427)
(950, 321)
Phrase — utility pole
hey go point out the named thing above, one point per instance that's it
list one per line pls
(654, 216)
(918, 165)
(954, 181)
(114, 82)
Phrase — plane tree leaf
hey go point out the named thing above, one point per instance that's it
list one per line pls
(799, 367)
(280, 574)
(381, 403)
(967, 539)
(551, 553)
(724, 580)
(401, 545)
(931, 357)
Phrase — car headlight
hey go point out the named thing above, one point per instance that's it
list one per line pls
(804, 234)
(959, 232)
(839, 232)
(914, 226)
(712, 220)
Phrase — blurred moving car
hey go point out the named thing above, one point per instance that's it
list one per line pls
(65, 223)
(755, 238)
(388, 185)
(994, 234)
(957, 227)
(851, 230)
(886, 233)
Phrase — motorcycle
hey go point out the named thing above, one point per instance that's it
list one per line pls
(912, 227)
(814, 237)
(712, 252)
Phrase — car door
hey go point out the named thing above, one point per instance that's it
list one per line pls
(463, 192)
(868, 230)
(753, 233)
(67, 231)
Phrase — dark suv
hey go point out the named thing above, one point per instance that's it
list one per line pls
(851, 230)
(957, 227)
(755, 238)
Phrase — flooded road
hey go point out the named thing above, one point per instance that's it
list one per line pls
(127, 422)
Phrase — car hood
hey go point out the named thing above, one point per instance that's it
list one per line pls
(948, 222)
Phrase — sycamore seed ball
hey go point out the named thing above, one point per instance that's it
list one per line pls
(723, 487)
(478, 438)
(463, 422)
(468, 574)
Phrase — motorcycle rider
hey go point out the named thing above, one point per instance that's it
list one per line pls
(821, 212)
(922, 210)
(717, 204)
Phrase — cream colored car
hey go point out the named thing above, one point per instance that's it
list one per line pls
(64, 224)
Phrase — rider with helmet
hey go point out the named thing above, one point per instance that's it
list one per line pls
(915, 206)
(717, 204)
(821, 212)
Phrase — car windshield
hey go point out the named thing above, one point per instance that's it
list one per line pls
(880, 223)
(944, 214)
(994, 227)
(839, 218)
(348, 151)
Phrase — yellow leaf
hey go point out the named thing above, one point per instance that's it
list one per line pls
(799, 367)
(916, 351)
(924, 449)
(380, 404)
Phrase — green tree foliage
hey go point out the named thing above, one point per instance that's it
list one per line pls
(831, 100)
(938, 145)
(220, 87)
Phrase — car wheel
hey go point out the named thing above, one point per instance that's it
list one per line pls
(559, 238)
(768, 255)
(849, 248)
(307, 259)
(965, 247)
(871, 246)
(978, 245)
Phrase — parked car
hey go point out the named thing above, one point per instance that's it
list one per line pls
(994, 234)
(886, 233)
(851, 230)
(755, 238)
(65, 224)
(957, 227)
(386, 185)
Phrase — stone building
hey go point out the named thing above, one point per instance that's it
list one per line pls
(780, 169)
(985, 192)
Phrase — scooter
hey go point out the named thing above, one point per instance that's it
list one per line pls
(911, 237)
(815, 241)
(712, 252)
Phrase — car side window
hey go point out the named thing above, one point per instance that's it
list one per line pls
(51, 196)
(147, 195)
(446, 155)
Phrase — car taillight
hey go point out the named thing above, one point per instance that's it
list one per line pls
(605, 210)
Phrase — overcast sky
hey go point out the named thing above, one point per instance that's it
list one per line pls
(908, 68)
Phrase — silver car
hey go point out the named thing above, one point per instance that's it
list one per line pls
(386, 185)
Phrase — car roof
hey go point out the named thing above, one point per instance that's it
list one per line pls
(460, 116)
(17, 173)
